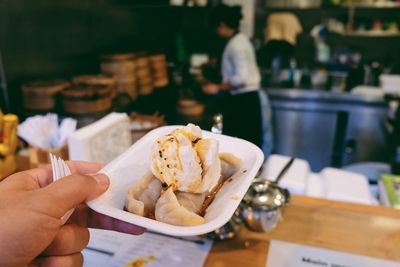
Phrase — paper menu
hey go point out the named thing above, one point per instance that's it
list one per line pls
(283, 254)
(112, 249)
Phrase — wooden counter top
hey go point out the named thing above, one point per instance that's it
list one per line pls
(365, 230)
(359, 229)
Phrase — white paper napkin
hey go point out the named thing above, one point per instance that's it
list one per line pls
(45, 132)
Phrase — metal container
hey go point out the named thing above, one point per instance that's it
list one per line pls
(228, 230)
(262, 207)
(261, 210)
(347, 128)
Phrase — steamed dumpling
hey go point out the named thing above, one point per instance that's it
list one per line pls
(230, 164)
(191, 168)
(169, 210)
(185, 161)
(175, 162)
(142, 197)
(207, 149)
(190, 201)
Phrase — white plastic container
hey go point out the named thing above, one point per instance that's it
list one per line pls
(102, 140)
(346, 186)
(295, 180)
(129, 167)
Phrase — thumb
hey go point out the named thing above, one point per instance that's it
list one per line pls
(72, 190)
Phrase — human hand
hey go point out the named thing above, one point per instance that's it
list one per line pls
(226, 85)
(211, 88)
(31, 207)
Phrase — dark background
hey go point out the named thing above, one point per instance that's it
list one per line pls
(50, 39)
(383, 49)
(47, 39)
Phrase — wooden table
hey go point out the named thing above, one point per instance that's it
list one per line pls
(359, 229)
(365, 230)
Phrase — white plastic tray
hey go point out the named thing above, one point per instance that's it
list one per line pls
(128, 168)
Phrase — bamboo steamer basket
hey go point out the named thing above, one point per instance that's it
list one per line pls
(97, 80)
(143, 69)
(83, 99)
(41, 95)
(118, 65)
(146, 89)
(126, 79)
(160, 79)
(156, 58)
(190, 107)
(142, 62)
(160, 82)
(129, 88)
(158, 64)
(159, 67)
(160, 75)
(123, 68)
(142, 124)
(145, 81)
(143, 73)
(94, 79)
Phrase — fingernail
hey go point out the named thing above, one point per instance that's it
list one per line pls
(101, 179)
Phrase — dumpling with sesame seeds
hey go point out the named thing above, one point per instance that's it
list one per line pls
(186, 162)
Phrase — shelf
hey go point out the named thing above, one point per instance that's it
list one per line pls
(292, 8)
(306, 9)
(371, 34)
(374, 5)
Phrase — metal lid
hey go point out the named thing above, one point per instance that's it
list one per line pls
(266, 195)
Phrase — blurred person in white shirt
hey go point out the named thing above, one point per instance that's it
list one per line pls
(240, 77)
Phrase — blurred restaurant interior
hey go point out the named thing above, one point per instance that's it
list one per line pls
(325, 90)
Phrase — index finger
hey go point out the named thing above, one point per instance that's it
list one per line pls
(42, 176)
(66, 193)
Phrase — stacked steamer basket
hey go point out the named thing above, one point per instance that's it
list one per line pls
(123, 68)
(143, 75)
(158, 65)
(83, 99)
(98, 80)
(142, 124)
(41, 95)
(190, 107)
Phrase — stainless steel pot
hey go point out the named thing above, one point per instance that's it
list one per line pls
(262, 208)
